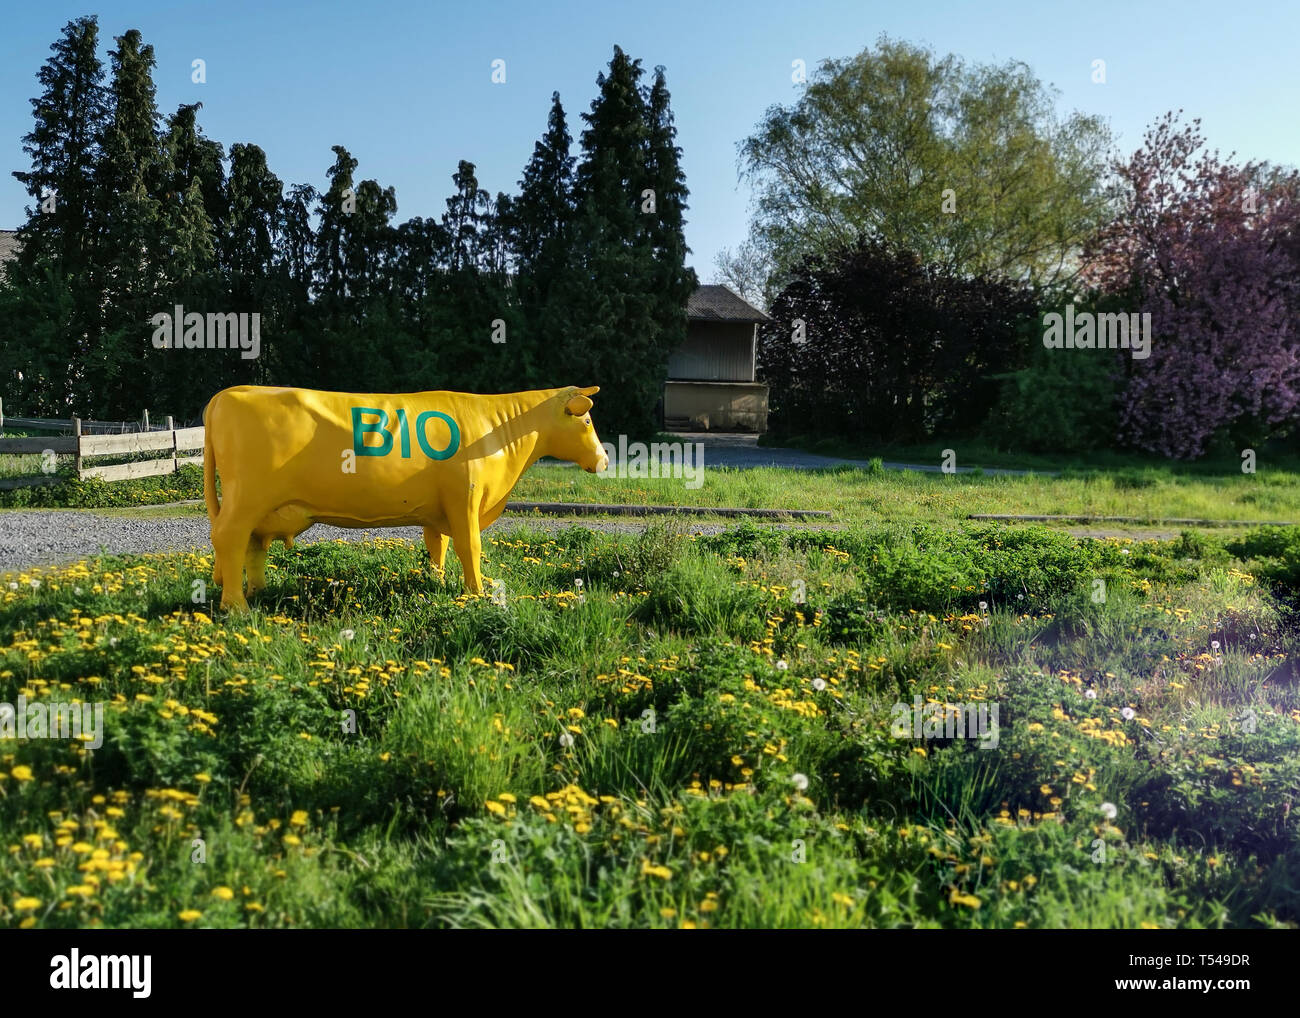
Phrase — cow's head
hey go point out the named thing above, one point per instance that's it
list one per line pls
(573, 437)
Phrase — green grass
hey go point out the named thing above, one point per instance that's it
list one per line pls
(675, 741)
(978, 452)
(860, 496)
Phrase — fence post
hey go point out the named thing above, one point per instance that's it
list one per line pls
(2, 418)
(146, 421)
(171, 426)
(76, 434)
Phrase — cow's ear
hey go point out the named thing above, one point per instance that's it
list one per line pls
(578, 406)
(590, 390)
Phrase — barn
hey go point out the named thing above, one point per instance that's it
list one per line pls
(712, 385)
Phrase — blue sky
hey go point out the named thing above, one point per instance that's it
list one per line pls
(406, 85)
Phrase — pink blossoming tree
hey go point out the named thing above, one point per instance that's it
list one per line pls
(1210, 250)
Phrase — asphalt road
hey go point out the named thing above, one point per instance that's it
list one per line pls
(744, 451)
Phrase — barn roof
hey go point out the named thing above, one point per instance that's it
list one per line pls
(8, 245)
(716, 303)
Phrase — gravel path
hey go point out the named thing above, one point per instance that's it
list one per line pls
(52, 536)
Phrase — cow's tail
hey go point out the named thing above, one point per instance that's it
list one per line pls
(209, 468)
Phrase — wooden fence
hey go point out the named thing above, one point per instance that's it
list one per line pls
(175, 445)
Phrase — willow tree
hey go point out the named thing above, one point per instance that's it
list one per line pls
(970, 167)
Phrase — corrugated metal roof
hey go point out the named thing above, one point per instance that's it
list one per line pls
(717, 303)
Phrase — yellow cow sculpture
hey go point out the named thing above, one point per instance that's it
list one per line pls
(445, 461)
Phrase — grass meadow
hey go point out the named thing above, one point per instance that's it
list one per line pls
(668, 729)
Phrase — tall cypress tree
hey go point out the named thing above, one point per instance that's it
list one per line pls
(665, 225)
(541, 231)
(194, 212)
(71, 114)
(51, 305)
(253, 198)
(190, 156)
(296, 252)
(192, 206)
(609, 295)
(471, 294)
(336, 206)
(369, 248)
(354, 247)
(131, 180)
(543, 212)
(289, 356)
(463, 221)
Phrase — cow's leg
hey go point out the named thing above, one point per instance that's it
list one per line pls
(255, 563)
(469, 550)
(230, 538)
(436, 542)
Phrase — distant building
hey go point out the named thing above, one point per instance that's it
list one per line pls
(8, 246)
(711, 382)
